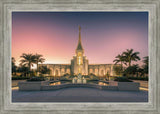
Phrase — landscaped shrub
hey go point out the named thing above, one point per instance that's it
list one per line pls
(36, 79)
(93, 80)
(19, 78)
(66, 74)
(93, 77)
(112, 78)
(85, 76)
(91, 74)
(122, 79)
(138, 78)
(63, 79)
(71, 76)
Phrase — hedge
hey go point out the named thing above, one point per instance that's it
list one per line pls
(36, 79)
(20, 78)
(122, 79)
(138, 78)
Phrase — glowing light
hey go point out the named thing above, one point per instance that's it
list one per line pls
(144, 89)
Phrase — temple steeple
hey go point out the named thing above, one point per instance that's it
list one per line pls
(79, 46)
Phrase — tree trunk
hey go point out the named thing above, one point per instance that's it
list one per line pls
(37, 69)
(121, 66)
(129, 63)
(29, 69)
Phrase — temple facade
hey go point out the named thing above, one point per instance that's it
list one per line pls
(80, 64)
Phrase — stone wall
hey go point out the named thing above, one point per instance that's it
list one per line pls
(29, 86)
(58, 69)
(44, 86)
(97, 69)
(101, 69)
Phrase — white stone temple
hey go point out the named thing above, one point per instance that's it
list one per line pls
(80, 65)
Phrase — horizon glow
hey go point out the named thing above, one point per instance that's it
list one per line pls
(55, 35)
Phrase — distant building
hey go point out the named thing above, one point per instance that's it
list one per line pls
(80, 64)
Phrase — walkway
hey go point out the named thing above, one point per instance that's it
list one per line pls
(79, 95)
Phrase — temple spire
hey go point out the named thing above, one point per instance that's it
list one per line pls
(80, 33)
(79, 46)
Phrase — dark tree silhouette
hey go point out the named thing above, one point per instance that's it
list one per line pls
(14, 67)
(120, 59)
(39, 59)
(145, 67)
(28, 60)
(130, 56)
(44, 70)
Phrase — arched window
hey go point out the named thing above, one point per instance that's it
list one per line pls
(62, 71)
(51, 72)
(56, 74)
(90, 70)
(68, 71)
(96, 72)
(102, 72)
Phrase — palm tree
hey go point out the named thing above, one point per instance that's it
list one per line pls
(28, 60)
(120, 59)
(39, 59)
(14, 67)
(145, 67)
(145, 60)
(130, 56)
(23, 70)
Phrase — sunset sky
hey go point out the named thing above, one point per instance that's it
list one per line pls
(55, 34)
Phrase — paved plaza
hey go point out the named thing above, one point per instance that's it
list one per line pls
(79, 95)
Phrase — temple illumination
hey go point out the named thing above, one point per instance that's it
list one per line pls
(80, 65)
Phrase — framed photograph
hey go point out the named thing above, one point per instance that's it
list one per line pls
(79, 56)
